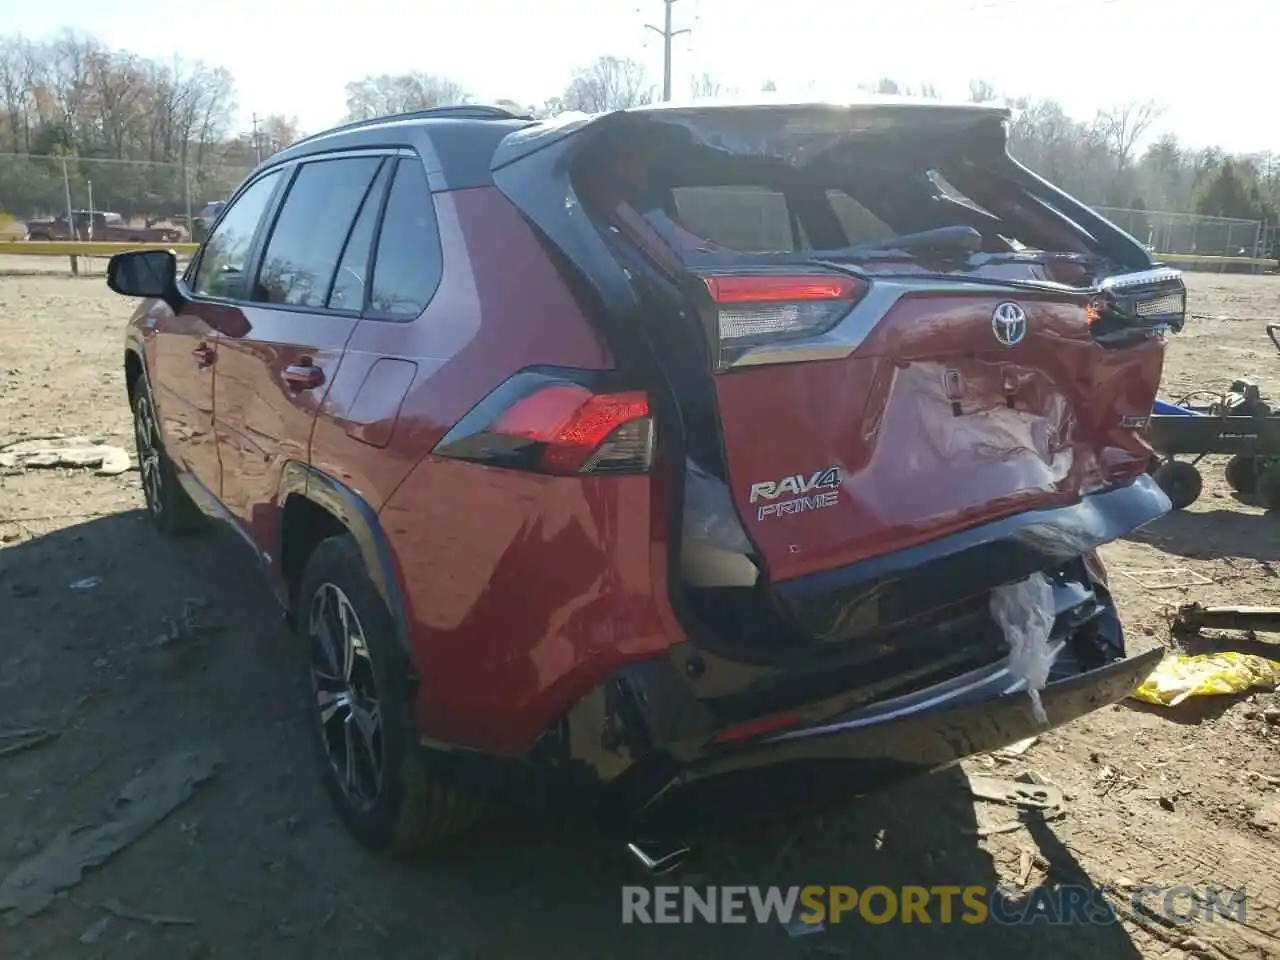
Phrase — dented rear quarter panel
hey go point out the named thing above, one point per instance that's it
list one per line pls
(512, 581)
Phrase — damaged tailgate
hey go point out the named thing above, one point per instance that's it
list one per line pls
(893, 331)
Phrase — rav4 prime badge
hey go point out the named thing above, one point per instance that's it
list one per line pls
(802, 492)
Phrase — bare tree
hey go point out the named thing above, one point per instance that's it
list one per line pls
(399, 93)
(705, 86)
(117, 82)
(20, 67)
(279, 131)
(981, 91)
(1122, 127)
(610, 83)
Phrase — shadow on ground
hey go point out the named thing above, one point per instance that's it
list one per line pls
(260, 865)
(1208, 534)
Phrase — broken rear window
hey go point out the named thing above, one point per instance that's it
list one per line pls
(869, 196)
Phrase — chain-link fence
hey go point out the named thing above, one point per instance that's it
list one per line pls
(143, 194)
(1189, 233)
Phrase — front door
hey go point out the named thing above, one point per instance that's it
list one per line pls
(184, 350)
(303, 305)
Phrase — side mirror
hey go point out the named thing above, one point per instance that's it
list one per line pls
(145, 273)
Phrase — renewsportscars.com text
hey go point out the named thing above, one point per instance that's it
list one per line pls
(815, 905)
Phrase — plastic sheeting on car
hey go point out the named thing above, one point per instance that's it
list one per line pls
(1178, 677)
(716, 551)
(709, 514)
(1025, 612)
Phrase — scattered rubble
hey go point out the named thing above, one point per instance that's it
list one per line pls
(143, 802)
(58, 451)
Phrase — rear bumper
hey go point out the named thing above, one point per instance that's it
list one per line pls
(938, 727)
(950, 568)
(890, 741)
(912, 697)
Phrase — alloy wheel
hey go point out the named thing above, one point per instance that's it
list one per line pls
(345, 696)
(147, 435)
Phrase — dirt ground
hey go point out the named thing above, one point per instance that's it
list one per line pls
(260, 868)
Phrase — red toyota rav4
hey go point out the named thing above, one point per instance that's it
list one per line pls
(658, 448)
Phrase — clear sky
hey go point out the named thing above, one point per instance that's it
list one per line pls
(293, 57)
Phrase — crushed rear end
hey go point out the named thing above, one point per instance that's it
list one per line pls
(892, 372)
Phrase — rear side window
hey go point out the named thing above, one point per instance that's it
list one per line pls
(307, 240)
(408, 263)
(220, 272)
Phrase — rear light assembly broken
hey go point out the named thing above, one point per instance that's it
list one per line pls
(751, 310)
(556, 422)
(1132, 306)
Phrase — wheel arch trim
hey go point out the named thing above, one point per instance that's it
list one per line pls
(360, 520)
(134, 345)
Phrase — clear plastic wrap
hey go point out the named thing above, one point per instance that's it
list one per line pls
(709, 514)
(716, 551)
(1025, 612)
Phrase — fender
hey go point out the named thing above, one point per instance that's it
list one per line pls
(360, 520)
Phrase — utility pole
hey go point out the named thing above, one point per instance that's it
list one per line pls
(257, 144)
(667, 35)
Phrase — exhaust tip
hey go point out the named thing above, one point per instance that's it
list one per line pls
(658, 856)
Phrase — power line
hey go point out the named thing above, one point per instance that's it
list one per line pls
(667, 35)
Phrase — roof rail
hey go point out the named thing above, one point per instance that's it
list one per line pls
(456, 111)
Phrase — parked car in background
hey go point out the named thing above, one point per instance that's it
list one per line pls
(663, 449)
(98, 225)
(209, 213)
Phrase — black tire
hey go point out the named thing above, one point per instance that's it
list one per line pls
(1180, 481)
(1268, 489)
(414, 803)
(168, 504)
(1242, 474)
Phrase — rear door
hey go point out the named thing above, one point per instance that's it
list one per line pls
(302, 306)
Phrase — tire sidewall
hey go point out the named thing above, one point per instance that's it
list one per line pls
(1241, 474)
(165, 519)
(338, 561)
(1268, 488)
(1180, 481)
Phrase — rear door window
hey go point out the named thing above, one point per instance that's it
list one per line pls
(309, 234)
(408, 263)
(352, 279)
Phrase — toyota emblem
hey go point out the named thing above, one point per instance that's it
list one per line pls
(1009, 323)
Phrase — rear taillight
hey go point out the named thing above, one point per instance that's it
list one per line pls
(755, 309)
(548, 423)
(1135, 305)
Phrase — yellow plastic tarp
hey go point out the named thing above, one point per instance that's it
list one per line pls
(1178, 677)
